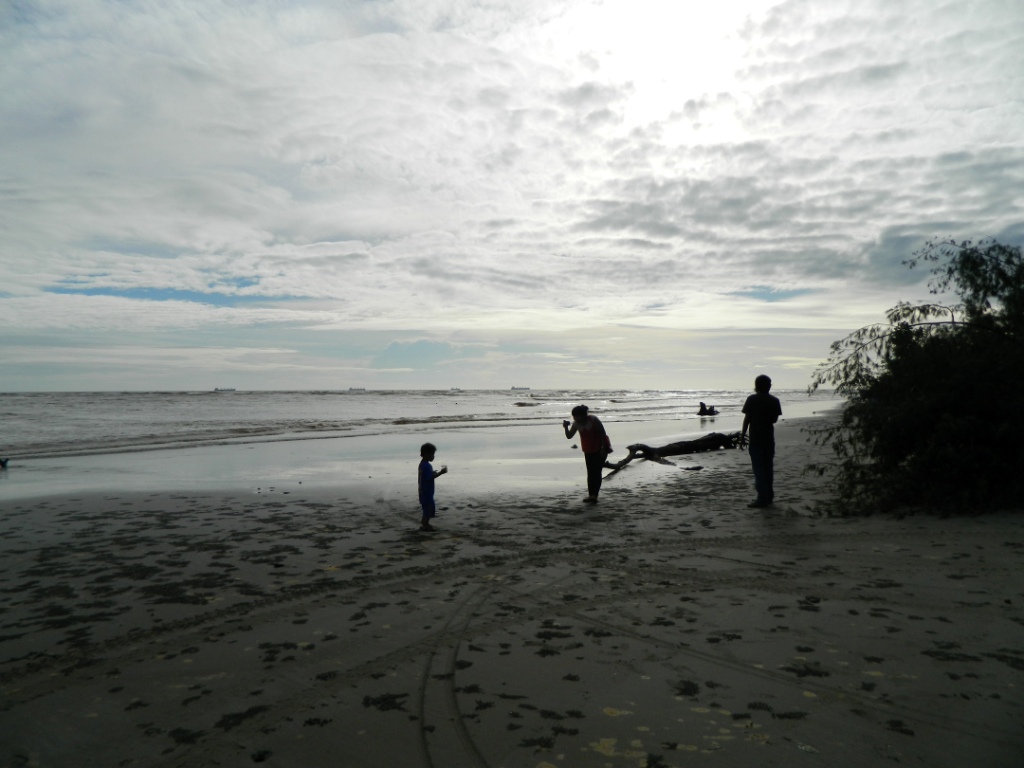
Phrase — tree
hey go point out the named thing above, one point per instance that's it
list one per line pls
(935, 406)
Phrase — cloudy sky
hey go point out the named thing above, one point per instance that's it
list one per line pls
(485, 193)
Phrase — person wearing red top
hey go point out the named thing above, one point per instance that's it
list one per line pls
(595, 443)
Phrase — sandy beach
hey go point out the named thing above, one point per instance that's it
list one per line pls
(669, 625)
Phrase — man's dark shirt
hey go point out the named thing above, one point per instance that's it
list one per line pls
(764, 410)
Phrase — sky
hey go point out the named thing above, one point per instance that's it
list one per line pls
(637, 194)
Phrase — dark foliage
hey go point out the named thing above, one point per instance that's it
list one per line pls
(935, 405)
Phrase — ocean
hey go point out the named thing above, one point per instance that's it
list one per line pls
(37, 425)
(71, 441)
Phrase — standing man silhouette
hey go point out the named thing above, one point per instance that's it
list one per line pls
(760, 412)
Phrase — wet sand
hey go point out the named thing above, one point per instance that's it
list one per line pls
(669, 625)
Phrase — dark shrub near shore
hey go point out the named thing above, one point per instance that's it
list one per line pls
(935, 407)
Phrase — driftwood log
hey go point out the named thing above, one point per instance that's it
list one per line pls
(715, 441)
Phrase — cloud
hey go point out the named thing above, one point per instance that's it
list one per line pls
(429, 170)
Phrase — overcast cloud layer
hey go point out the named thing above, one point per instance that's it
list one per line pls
(436, 193)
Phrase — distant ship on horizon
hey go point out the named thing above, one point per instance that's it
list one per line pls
(223, 389)
(520, 389)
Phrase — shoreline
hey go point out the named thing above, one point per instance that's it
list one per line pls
(532, 458)
(667, 624)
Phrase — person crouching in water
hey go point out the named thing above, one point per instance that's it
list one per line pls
(595, 443)
(427, 475)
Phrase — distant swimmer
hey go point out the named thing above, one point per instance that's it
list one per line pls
(705, 411)
(3, 463)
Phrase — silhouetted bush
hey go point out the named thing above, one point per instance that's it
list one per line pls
(935, 406)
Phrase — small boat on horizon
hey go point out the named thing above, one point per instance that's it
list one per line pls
(357, 389)
(520, 389)
(223, 389)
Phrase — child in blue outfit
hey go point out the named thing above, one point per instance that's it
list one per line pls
(427, 475)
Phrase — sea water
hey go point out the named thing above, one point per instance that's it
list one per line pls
(68, 441)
